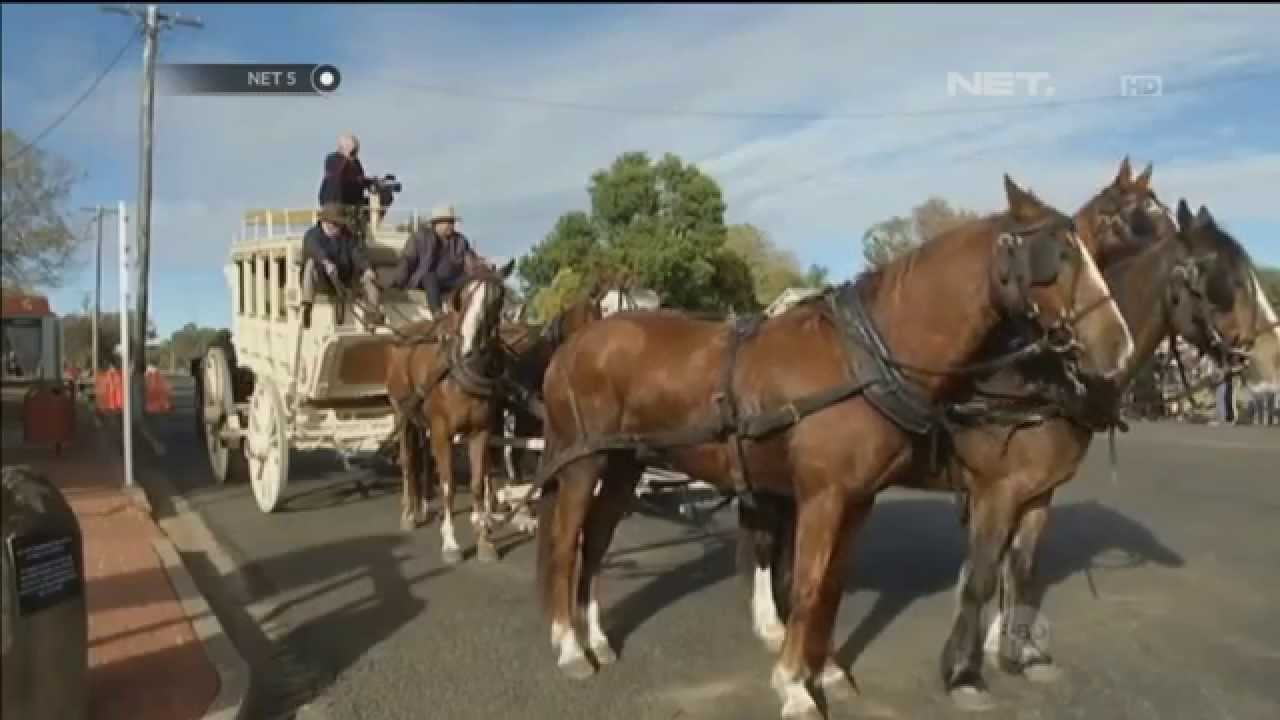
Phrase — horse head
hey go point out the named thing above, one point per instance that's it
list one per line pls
(1217, 301)
(1124, 218)
(1045, 273)
(478, 304)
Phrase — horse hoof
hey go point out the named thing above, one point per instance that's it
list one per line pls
(810, 712)
(605, 654)
(407, 524)
(838, 685)
(1042, 672)
(451, 556)
(487, 553)
(579, 668)
(972, 699)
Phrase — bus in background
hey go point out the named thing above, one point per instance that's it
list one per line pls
(32, 340)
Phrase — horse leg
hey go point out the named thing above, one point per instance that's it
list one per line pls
(481, 495)
(409, 478)
(1026, 649)
(618, 486)
(442, 449)
(961, 658)
(824, 522)
(759, 540)
(560, 561)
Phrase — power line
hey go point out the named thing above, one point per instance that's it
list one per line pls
(111, 66)
(870, 115)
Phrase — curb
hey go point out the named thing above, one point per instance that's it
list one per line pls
(233, 671)
(234, 674)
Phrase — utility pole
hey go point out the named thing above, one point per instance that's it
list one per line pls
(153, 21)
(99, 212)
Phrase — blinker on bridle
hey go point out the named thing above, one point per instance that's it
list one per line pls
(1033, 256)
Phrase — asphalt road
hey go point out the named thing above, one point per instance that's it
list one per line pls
(1162, 600)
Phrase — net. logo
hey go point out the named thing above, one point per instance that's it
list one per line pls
(1000, 84)
(1141, 85)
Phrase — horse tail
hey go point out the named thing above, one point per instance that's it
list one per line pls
(546, 515)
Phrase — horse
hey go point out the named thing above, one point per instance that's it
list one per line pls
(528, 350)
(1161, 275)
(441, 382)
(813, 401)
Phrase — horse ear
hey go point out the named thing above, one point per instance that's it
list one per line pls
(1144, 180)
(1125, 176)
(1205, 218)
(1022, 205)
(506, 269)
(1184, 215)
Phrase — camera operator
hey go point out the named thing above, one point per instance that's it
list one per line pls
(345, 182)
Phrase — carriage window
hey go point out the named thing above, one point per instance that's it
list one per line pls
(240, 296)
(281, 275)
(268, 289)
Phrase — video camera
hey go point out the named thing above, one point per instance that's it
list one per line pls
(386, 183)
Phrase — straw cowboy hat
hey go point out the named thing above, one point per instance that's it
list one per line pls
(443, 212)
(335, 214)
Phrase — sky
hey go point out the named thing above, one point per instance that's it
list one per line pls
(816, 121)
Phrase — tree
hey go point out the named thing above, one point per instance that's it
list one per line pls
(1270, 279)
(888, 239)
(772, 269)
(77, 332)
(36, 246)
(663, 223)
(817, 276)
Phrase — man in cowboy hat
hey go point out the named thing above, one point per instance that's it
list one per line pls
(334, 259)
(436, 258)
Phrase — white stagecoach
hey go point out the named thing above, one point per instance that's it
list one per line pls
(277, 386)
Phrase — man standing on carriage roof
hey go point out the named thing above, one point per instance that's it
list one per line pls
(436, 259)
(333, 258)
(345, 182)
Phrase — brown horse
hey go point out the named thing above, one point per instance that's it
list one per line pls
(442, 384)
(1160, 275)
(528, 350)
(818, 393)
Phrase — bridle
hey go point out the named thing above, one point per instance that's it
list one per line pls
(1033, 256)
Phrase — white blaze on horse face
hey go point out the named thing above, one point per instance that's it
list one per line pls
(471, 317)
(1104, 332)
(764, 613)
(1264, 365)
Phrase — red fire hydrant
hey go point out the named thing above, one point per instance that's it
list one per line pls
(49, 415)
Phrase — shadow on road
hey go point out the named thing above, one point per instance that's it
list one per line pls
(912, 548)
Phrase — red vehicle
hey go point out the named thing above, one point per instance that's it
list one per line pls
(32, 339)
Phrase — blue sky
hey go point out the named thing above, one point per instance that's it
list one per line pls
(814, 181)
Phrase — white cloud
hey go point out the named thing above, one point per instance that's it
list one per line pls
(512, 168)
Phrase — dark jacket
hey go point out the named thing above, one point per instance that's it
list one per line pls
(342, 251)
(426, 252)
(344, 181)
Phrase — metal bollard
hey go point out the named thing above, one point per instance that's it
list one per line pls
(44, 636)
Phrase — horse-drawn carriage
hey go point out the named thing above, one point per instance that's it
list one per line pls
(274, 386)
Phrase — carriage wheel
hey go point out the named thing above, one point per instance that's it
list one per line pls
(216, 406)
(266, 445)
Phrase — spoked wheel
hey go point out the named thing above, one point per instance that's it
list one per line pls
(266, 446)
(216, 408)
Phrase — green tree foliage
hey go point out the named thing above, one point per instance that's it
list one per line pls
(77, 333)
(662, 223)
(888, 239)
(1270, 279)
(772, 269)
(36, 246)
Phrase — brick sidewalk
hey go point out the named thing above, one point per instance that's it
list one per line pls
(145, 662)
